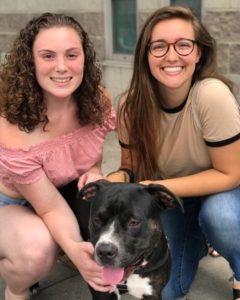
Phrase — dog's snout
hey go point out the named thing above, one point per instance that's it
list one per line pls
(106, 251)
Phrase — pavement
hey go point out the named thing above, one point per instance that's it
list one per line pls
(212, 282)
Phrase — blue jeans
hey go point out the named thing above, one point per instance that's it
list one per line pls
(214, 218)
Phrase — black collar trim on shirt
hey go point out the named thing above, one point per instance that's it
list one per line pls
(174, 110)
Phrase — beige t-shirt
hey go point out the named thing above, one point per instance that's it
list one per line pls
(209, 118)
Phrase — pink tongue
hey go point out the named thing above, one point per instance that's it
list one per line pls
(112, 275)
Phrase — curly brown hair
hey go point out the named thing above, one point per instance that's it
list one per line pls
(21, 97)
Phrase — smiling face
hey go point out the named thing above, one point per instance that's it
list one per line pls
(173, 71)
(59, 61)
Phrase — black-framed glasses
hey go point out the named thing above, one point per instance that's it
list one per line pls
(182, 47)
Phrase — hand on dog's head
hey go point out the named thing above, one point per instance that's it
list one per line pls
(161, 195)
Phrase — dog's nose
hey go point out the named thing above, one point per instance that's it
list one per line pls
(106, 251)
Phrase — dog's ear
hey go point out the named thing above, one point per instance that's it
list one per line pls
(89, 190)
(164, 197)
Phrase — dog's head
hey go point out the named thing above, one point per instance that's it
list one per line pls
(125, 222)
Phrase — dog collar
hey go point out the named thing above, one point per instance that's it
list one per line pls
(150, 268)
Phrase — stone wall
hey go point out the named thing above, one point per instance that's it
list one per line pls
(222, 18)
(225, 28)
(92, 22)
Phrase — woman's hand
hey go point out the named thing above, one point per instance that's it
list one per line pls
(63, 226)
(89, 269)
(147, 182)
(91, 175)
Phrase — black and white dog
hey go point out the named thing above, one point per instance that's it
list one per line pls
(129, 241)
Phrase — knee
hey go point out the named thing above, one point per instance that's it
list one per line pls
(38, 256)
(219, 212)
(41, 257)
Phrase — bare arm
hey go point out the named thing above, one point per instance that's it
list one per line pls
(126, 158)
(120, 175)
(224, 175)
(52, 208)
(93, 174)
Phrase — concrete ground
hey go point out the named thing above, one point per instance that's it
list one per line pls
(213, 280)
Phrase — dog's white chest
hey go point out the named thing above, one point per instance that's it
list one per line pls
(138, 286)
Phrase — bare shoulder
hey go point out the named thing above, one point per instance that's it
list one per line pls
(11, 136)
(6, 130)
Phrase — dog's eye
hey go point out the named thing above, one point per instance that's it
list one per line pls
(133, 223)
(97, 221)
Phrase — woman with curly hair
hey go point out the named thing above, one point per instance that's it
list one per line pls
(179, 126)
(54, 119)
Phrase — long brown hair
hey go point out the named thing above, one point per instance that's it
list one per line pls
(140, 111)
(21, 97)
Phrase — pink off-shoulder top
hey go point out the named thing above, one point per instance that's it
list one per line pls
(62, 159)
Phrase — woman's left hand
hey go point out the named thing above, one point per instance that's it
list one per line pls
(146, 182)
(91, 175)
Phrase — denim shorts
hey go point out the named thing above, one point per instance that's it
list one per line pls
(5, 200)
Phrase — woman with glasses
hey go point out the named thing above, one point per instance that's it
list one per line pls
(179, 126)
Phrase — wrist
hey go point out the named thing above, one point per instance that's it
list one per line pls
(117, 176)
(121, 175)
(129, 173)
(73, 249)
(95, 169)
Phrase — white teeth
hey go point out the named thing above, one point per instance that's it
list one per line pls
(61, 80)
(172, 69)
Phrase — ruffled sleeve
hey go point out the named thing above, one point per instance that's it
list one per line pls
(110, 120)
(17, 167)
(62, 159)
